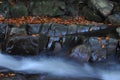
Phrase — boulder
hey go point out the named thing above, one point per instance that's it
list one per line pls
(97, 49)
(82, 53)
(118, 30)
(105, 7)
(114, 19)
(98, 43)
(90, 14)
(23, 45)
(72, 7)
(47, 8)
(116, 8)
(18, 10)
(25, 40)
(99, 55)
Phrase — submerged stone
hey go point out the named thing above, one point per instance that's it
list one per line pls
(81, 52)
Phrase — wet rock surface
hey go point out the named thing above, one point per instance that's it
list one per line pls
(55, 30)
(101, 48)
(81, 52)
(96, 49)
(23, 45)
(50, 36)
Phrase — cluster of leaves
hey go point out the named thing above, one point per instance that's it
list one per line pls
(7, 75)
(38, 19)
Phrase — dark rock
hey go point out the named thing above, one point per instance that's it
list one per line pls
(97, 49)
(2, 31)
(114, 19)
(35, 77)
(17, 31)
(18, 10)
(47, 8)
(82, 53)
(20, 43)
(94, 30)
(45, 28)
(57, 30)
(68, 78)
(118, 50)
(97, 43)
(116, 8)
(118, 1)
(33, 28)
(43, 42)
(23, 45)
(99, 55)
(118, 30)
(75, 40)
(81, 6)
(90, 14)
(53, 29)
(72, 7)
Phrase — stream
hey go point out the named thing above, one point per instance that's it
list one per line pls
(61, 67)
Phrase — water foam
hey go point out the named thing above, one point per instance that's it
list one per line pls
(55, 67)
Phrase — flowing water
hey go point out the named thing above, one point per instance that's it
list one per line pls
(59, 67)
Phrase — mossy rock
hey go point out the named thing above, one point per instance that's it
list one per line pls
(47, 8)
(18, 10)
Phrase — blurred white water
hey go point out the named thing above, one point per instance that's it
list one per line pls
(56, 67)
